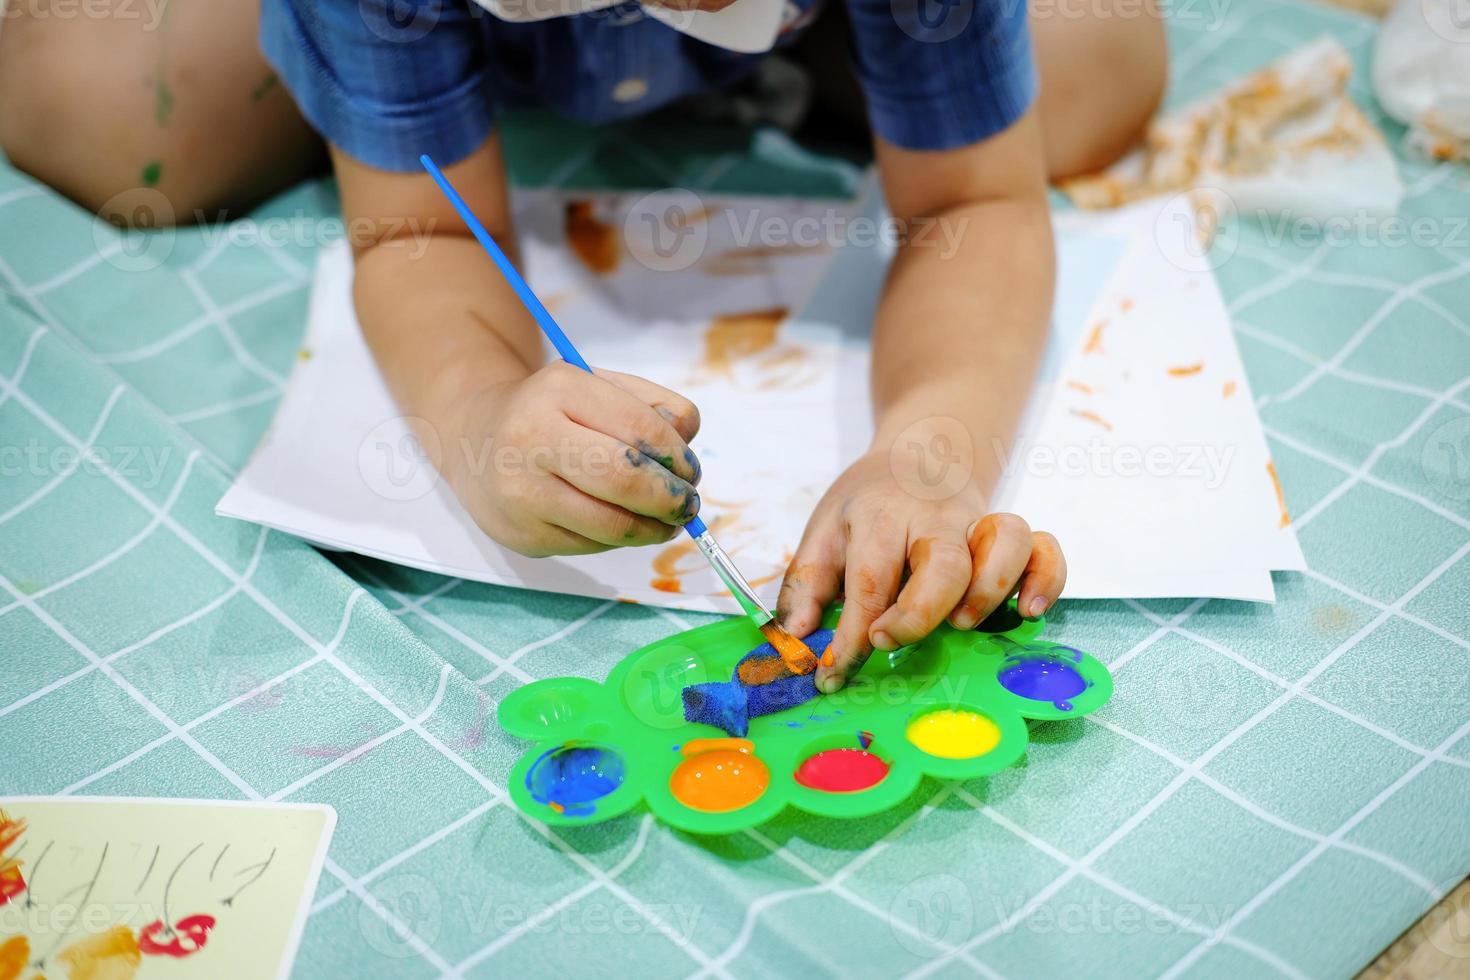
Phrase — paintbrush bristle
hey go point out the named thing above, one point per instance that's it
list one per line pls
(798, 658)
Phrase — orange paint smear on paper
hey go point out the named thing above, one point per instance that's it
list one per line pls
(1094, 339)
(736, 336)
(112, 955)
(12, 883)
(15, 954)
(1125, 304)
(1079, 386)
(593, 241)
(1186, 370)
(1280, 494)
(1093, 417)
(676, 560)
(745, 261)
(1228, 390)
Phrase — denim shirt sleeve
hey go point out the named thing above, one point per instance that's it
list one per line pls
(940, 74)
(384, 80)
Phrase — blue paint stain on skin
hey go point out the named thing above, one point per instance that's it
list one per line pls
(571, 778)
(1045, 677)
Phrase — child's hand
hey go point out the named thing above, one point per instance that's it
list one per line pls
(868, 530)
(565, 463)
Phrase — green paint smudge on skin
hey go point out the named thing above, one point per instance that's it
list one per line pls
(163, 101)
(264, 88)
(152, 173)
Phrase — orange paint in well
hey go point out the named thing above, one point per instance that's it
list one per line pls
(593, 241)
(111, 955)
(1093, 417)
(719, 780)
(1280, 494)
(1186, 370)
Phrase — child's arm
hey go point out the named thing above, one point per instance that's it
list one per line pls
(958, 336)
(547, 459)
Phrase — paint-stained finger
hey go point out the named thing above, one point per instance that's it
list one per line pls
(598, 403)
(875, 558)
(677, 410)
(604, 468)
(1000, 546)
(813, 578)
(1046, 574)
(939, 571)
(564, 506)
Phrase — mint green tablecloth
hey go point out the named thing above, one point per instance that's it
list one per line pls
(1273, 791)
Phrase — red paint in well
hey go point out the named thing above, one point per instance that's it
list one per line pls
(842, 770)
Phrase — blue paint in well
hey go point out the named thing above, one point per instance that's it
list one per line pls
(571, 778)
(1045, 677)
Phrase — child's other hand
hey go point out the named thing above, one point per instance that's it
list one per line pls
(961, 564)
(566, 463)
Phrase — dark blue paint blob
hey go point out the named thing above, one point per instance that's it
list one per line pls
(1045, 678)
(571, 778)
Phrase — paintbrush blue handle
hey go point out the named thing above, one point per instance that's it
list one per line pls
(542, 315)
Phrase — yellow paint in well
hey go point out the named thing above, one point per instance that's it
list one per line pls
(954, 733)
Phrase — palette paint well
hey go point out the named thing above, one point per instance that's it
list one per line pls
(571, 778)
(842, 770)
(954, 733)
(1043, 679)
(719, 780)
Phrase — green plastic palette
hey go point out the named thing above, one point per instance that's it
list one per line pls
(955, 708)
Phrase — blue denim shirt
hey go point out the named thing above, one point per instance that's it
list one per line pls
(386, 80)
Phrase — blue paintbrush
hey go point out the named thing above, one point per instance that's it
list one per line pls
(793, 651)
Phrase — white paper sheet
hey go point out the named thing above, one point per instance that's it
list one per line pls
(1199, 517)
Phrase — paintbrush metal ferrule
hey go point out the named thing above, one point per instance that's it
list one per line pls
(725, 568)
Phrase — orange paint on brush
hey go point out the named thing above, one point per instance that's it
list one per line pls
(593, 241)
(1093, 417)
(1186, 370)
(797, 655)
(1280, 494)
(1094, 339)
(1228, 390)
(15, 954)
(1079, 386)
(112, 955)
